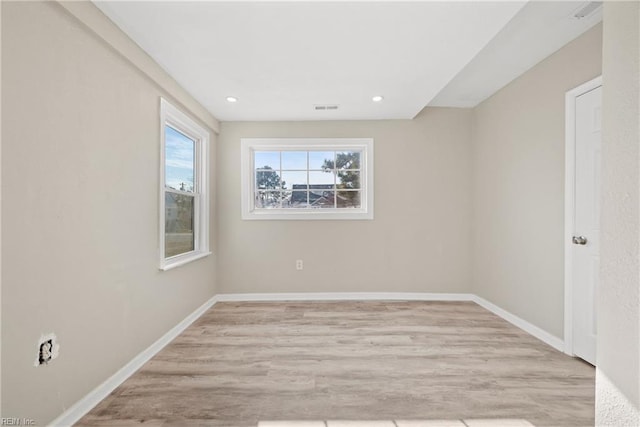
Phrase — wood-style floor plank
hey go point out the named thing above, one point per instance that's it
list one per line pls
(377, 360)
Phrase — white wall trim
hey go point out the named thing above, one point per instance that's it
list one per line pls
(346, 296)
(84, 405)
(569, 204)
(177, 119)
(531, 329)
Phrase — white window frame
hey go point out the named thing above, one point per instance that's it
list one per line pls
(250, 145)
(172, 116)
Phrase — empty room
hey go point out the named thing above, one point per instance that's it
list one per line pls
(324, 213)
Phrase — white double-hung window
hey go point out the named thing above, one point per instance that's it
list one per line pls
(184, 190)
(307, 178)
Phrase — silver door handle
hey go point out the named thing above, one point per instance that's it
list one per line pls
(579, 240)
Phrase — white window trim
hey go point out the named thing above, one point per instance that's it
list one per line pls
(249, 145)
(172, 116)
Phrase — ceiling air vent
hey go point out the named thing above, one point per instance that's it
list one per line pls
(587, 9)
(325, 107)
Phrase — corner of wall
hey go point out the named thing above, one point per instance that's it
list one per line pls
(518, 179)
(618, 340)
(85, 120)
(99, 24)
(1, 322)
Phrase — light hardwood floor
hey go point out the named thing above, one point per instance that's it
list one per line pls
(377, 360)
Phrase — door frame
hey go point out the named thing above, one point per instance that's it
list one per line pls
(569, 203)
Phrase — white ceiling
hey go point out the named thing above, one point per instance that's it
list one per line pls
(538, 30)
(280, 59)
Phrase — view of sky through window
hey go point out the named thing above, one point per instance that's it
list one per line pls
(307, 179)
(179, 160)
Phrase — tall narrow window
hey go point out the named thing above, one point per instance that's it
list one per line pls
(184, 198)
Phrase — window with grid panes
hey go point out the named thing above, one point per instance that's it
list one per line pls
(184, 196)
(307, 178)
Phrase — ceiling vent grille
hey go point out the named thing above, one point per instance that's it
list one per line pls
(325, 107)
(587, 9)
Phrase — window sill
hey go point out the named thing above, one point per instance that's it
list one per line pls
(181, 260)
(307, 214)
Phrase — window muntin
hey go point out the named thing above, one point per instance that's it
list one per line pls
(307, 179)
(184, 197)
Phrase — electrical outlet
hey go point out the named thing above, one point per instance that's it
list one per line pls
(299, 264)
(47, 349)
(44, 355)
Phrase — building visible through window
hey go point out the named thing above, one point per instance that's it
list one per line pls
(313, 178)
(184, 188)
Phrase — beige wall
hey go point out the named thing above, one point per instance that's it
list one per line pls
(618, 372)
(418, 241)
(80, 163)
(518, 186)
(0, 214)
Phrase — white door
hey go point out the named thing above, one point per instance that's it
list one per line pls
(585, 239)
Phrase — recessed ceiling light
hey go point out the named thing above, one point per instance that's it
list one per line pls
(232, 99)
(377, 98)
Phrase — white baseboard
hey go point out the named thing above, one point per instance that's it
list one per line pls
(346, 296)
(84, 405)
(531, 329)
